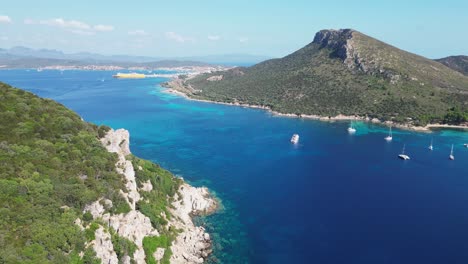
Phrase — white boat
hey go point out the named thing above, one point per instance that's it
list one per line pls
(295, 139)
(431, 147)
(451, 156)
(466, 145)
(389, 137)
(351, 129)
(403, 156)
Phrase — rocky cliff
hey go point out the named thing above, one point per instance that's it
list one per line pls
(192, 244)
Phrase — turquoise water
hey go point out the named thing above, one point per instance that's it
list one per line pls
(333, 198)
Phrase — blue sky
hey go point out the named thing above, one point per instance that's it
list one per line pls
(191, 28)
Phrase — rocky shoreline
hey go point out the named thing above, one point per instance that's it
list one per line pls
(192, 244)
(172, 87)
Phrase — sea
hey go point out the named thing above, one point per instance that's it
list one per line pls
(332, 198)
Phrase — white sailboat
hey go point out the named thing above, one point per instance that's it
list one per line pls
(403, 156)
(451, 156)
(389, 137)
(431, 147)
(351, 129)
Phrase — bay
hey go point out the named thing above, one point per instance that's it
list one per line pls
(333, 198)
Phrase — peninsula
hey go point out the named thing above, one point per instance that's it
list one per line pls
(342, 74)
(72, 192)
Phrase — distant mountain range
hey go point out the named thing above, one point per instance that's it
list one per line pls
(23, 56)
(345, 72)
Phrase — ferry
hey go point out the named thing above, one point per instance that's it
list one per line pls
(132, 75)
(295, 139)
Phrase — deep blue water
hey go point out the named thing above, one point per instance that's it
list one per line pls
(335, 198)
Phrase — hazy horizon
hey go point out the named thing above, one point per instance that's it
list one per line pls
(261, 28)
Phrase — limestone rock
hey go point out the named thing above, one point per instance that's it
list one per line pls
(193, 243)
(103, 247)
(191, 246)
(158, 254)
(147, 186)
(215, 78)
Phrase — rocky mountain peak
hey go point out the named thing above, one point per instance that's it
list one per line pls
(335, 40)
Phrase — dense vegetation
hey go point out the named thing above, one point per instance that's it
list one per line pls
(458, 63)
(165, 187)
(51, 165)
(377, 80)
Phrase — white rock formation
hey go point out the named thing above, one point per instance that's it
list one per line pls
(118, 141)
(103, 247)
(193, 244)
(147, 186)
(159, 254)
(215, 78)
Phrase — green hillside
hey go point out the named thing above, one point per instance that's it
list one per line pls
(343, 72)
(51, 165)
(458, 63)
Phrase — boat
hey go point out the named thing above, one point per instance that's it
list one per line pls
(431, 147)
(451, 156)
(466, 145)
(132, 75)
(351, 129)
(403, 156)
(295, 139)
(389, 137)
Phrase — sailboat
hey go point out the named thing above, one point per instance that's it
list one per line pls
(389, 137)
(351, 129)
(403, 156)
(451, 156)
(431, 147)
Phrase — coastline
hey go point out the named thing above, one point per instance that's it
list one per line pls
(169, 88)
(191, 245)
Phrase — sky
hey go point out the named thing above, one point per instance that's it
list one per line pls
(273, 28)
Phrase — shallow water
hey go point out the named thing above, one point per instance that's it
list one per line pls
(333, 198)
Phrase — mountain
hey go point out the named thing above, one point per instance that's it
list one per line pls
(20, 52)
(21, 62)
(229, 59)
(22, 57)
(458, 63)
(71, 192)
(343, 72)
